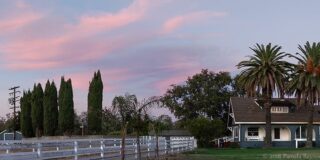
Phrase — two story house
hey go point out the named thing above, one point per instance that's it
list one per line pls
(246, 122)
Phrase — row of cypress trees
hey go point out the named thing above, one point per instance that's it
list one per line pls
(40, 114)
(39, 110)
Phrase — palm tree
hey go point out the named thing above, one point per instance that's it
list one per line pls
(133, 113)
(124, 107)
(140, 118)
(264, 73)
(305, 80)
(158, 125)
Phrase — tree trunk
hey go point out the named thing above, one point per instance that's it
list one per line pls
(157, 146)
(138, 145)
(310, 124)
(123, 142)
(267, 139)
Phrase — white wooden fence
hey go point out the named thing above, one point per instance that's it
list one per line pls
(109, 148)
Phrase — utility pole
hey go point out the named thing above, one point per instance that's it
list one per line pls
(12, 101)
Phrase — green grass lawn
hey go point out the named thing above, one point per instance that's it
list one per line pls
(250, 154)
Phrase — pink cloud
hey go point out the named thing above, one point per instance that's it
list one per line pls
(21, 5)
(182, 67)
(81, 80)
(108, 21)
(162, 85)
(18, 21)
(190, 18)
(76, 43)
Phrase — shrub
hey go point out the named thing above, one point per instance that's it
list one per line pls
(205, 130)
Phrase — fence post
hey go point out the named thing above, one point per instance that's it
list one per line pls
(171, 144)
(102, 149)
(33, 148)
(75, 150)
(120, 147)
(165, 146)
(39, 150)
(188, 143)
(178, 145)
(135, 150)
(148, 144)
(7, 151)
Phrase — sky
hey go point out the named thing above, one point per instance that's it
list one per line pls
(140, 46)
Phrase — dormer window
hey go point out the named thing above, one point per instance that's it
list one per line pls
(279, 109)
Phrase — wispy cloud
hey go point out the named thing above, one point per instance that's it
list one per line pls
(10, 24)
(21, 4)
(190, 19)
(76, 43)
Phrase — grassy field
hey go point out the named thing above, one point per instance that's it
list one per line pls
(251, 154)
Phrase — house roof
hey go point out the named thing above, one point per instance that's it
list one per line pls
(250, 111)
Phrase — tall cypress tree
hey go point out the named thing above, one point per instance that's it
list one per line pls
(50, 104)
(25, 119)
(95, 96)
(66, 107)
(37, 109)
(55, 111)
(61, 120)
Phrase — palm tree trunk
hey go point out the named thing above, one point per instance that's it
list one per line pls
(310, 123)
(157, 146)
(138, 145)
(123, 141)
(267, 106)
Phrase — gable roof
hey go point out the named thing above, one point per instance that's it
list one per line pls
(248, 111)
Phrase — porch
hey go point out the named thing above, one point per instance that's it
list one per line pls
(293, 136)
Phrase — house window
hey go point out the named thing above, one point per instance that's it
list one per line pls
(236, 131)
(279, 109)
(253, 131)
(276, 133)
(301, 132)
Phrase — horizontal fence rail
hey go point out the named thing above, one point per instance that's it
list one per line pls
(107, 148)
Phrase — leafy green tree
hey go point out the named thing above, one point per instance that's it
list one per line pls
(124, 106)
(265, 72)
(26, 121)
(206, 93)
(205, 130)
(50, 105)
(66, 107)
(110, 121)
(305, 81)
(237, 88)
(10, 125)
(37, 109)
(95, 97)
(2, 123)
(79, 122)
